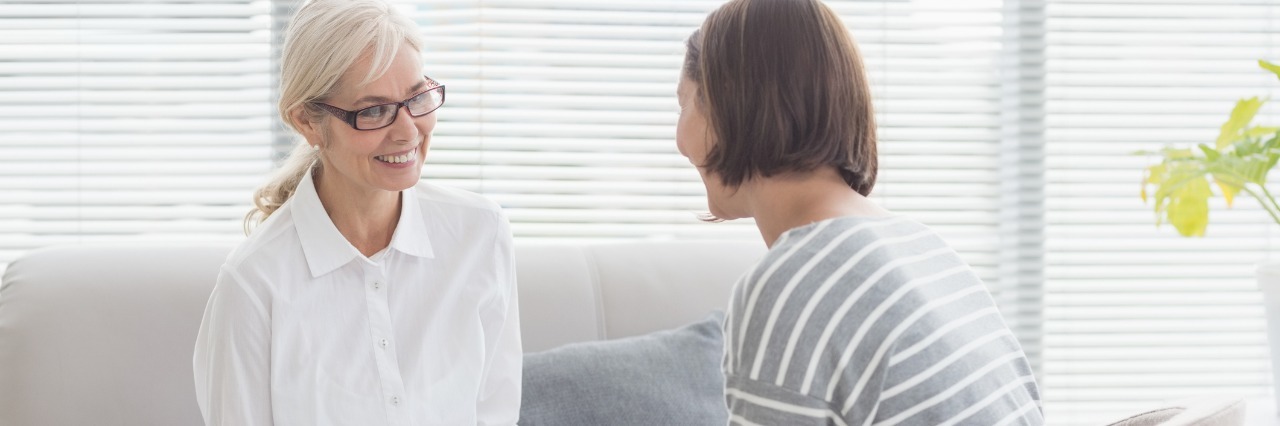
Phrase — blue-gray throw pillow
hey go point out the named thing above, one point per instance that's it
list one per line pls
(669, 377)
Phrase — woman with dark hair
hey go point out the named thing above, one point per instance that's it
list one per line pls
(855, 316)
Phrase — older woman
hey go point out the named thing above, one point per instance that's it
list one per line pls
(364, 296)
(855, 316)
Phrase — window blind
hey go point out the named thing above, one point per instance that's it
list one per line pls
(564, 112)
(153, 120)
(130, 120)
(1136, 315)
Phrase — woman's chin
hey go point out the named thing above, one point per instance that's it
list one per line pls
(401, 181)
(408, 183)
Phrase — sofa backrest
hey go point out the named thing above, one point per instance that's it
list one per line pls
(104, 335)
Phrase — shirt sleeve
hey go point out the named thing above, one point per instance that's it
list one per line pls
(753, 402)
(232, 356)
(498, 401)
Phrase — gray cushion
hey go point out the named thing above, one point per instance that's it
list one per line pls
(669, 377)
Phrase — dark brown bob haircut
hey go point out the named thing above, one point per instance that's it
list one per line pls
(783, 88)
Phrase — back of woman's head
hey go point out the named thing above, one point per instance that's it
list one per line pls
(323, 40)
(783, 88)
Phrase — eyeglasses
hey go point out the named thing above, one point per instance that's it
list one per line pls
(379, 116)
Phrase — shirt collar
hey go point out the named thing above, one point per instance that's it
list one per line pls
(326, 249)
(411, 235)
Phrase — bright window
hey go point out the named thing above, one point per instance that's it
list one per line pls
(1008, 126)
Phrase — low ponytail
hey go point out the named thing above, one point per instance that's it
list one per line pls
(284, 181)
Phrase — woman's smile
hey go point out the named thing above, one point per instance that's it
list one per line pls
(399, 160)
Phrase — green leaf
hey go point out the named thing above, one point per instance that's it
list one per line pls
(1176, 176)
(1244, 147)
(1229, 190)
(1151, 176)
(1241, 115)
(1209, 153)
(1176, 183)
(1189, 208)
(1271, 148)
(1239, 159)
(1178, 154)
(1237, 171)
(1270, 67)
(1259, 131)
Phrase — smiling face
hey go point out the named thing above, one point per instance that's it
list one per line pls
(387, 159)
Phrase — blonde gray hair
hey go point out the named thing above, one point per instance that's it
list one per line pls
(324, 39)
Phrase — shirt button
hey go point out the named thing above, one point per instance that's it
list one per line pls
(395, 400)
(377, 285)
(383, 343)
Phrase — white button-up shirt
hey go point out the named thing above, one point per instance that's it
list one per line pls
(301, 329)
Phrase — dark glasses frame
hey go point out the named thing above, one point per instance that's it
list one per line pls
(349, 117)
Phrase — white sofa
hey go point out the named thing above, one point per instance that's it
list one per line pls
(104, 335)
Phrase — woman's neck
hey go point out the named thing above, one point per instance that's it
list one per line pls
(366, 217)
(785, 202)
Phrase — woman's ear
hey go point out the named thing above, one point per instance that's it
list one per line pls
(309, 129)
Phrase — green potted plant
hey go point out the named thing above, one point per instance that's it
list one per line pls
(1237, 162)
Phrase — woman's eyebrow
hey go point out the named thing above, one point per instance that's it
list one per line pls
(374, 99)
(386, 100)
(416, 87)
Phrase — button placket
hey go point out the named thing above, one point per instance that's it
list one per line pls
(380, 333)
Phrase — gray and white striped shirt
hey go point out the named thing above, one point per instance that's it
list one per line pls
(869, 322)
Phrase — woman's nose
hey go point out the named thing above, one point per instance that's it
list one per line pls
(404, 129)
